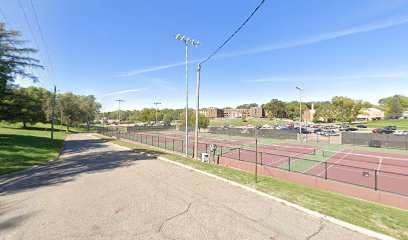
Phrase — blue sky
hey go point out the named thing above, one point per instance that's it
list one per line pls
(125, 49)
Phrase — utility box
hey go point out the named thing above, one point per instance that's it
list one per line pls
(204, 157)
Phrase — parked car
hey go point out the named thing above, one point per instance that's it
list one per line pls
(318, 131)
(344, 128)
(302, 130)
(391, 128)
(377, 130)
(361, 126)
(386, 131)
(401, 133)
(330, 134)
(347, 128)
(317, 126)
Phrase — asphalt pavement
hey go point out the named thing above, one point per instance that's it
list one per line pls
(98, 190)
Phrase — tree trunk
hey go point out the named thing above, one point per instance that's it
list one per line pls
(24, 124)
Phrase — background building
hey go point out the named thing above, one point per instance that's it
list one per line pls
(369, 114)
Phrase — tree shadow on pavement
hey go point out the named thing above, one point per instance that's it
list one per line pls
(75, 161)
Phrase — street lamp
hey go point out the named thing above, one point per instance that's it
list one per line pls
(300, 109)
(156, 103)
(119, 101)
(187, 41)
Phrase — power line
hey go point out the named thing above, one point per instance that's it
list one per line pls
(256, 9)
(43, 40)
(34, 38)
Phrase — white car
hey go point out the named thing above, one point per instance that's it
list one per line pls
(401, 133)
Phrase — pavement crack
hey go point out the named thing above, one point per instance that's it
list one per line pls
(317, 232)
(175, 216)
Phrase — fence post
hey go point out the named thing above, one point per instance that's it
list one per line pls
(152, 140)
(182, 146)
(221, 150)
(289, 164)
(239, 154)
(165, 143)
(325, 170)
(173, 144)
(206, 148)
(376, 180)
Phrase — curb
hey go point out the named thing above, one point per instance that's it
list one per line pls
(349, 226)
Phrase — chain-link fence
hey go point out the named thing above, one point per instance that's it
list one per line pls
(251, 132)
(375, 140)
(289, 158)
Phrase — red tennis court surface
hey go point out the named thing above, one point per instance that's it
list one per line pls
(380, 171)
(275, 155)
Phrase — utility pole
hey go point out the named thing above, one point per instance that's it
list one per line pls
(61, 119)
(187, 41)
(156, 103)
(300, 110)
(119, 101)
(197, 112)
(53, 108)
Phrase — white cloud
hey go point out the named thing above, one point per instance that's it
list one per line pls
(289, 44)
(400, 75)
(125, 91)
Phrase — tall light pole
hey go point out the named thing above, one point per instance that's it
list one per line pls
(119, 101)
(187, 41)
(156, 103)
(300, 109)
(53, 109)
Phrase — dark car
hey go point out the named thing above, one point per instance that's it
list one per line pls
(317, 130)
(352, 129)
(386, 131)
(344, 128)
(390, 127)
(361, 126)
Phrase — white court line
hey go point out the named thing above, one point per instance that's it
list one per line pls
(345, 154)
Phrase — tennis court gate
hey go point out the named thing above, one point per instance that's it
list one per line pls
(375, 140)
(250, 132)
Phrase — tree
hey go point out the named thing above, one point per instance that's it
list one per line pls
(147, 115)
(15, 59)
(24, 105)
(395, 108)
(275, 108)
(203, 121)
(247, 106)
(327, 112)
(88, 108)
(394, 105)
(167, 119)
(346, 108)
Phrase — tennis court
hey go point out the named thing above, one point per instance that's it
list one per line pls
(385, 171)
(275, 155)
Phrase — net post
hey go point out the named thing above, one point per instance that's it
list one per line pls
(325, 170)
(289, 164)
(239, 153)
(375, 180)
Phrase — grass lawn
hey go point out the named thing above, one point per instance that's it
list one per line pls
(379, 218)
(23, 148)
(249, 121)
(401, 124)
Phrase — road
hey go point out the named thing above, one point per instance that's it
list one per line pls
(98, 190)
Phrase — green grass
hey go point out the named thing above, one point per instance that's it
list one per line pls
(249, 121)
(401, 124)
(23, 148)
(379, 218)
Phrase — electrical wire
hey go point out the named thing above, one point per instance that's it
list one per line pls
(43, 40)
(242, 25)
(34, 38)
